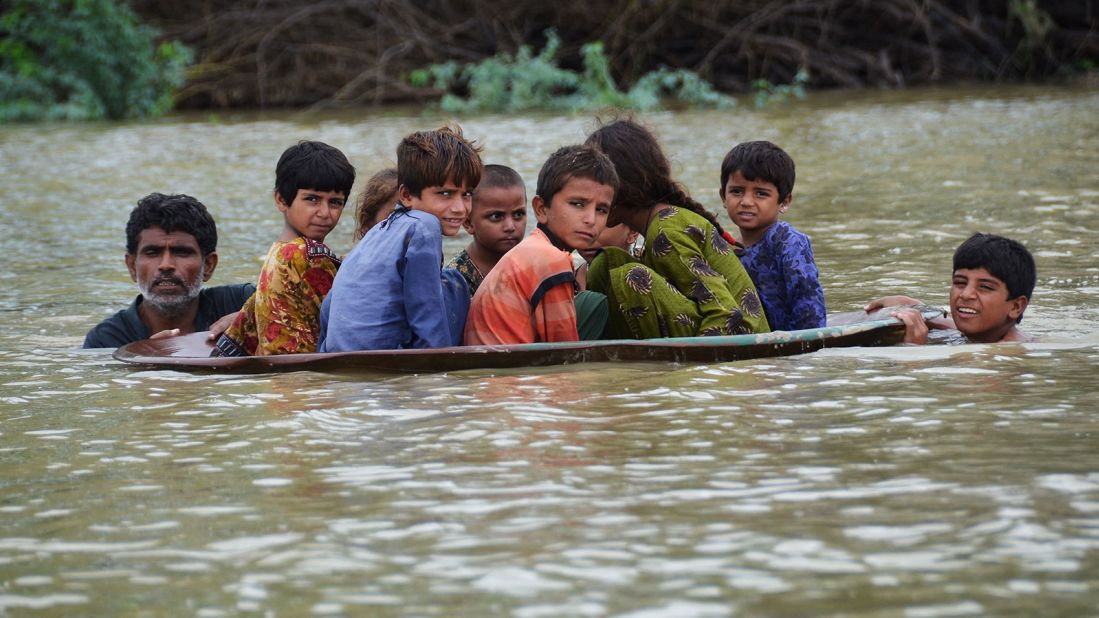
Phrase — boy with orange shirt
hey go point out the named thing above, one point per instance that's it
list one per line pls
(529, 296)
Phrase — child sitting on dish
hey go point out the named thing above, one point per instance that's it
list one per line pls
(757, 181)
(531, 294)
(391, 292)
(312, 181)
(688, 280)
(497, 222)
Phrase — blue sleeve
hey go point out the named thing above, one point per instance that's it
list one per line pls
(803, 290)
(423, 288)
(457, 299)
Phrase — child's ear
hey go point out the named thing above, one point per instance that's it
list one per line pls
(1018, 306)
(721, 193)
(541, 209)
(785, 203)
(281, 203)
(467, 225)
(404, 196)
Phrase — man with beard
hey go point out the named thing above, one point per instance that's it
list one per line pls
(171, 248)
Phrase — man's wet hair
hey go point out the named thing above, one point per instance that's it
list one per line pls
(431, 158)
(1006, 259)
(312, 165)
(172, 213)
(577, 161)
(760, 160)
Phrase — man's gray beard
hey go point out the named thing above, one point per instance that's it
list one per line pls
(172, 306)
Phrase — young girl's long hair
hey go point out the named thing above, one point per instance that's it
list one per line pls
(380, 191)
(645, 176)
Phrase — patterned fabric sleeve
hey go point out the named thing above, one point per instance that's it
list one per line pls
(290, 321)
(803, 290)
(283, 316)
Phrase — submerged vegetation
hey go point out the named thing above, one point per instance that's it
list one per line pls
(82, 60)
(525, 81)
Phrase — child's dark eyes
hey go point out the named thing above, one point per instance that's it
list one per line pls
(495, 216)
(519, 215)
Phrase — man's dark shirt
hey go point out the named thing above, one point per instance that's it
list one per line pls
(125, 326)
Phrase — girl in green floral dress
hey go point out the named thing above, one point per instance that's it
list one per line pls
(689, 280)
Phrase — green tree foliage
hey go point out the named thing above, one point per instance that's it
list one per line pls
(84, 59)
(503, 83)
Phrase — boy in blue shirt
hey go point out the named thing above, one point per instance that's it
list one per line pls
(391, 293)
(757, 180)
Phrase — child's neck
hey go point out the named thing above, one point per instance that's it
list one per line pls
(751, 237)
(484, 259)
(289, 234)
(1010, 332)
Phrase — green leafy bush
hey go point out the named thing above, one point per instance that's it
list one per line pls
(768, 93)
(504, 83)
(84, 59)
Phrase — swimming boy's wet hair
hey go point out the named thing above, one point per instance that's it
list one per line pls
(1006, 259)
(172, 213)
(760, 160)
(499, 176)
(312, 165)
(644, 174)
(379, 190)
(577, 161)
(431, 158)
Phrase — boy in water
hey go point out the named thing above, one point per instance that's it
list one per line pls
(993, 280)
(312, 182)
(497, 223)
(757, 181)
(390, 292)
(529, 296)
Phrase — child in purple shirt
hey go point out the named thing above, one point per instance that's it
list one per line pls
(757, 180)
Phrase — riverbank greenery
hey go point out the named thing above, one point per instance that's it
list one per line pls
(282, 53)
(529, 81)
(84, 60)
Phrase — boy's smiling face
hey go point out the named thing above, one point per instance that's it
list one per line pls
(499, 218)
(577, 213)
(450, 202)
(980, 306)
(753, 205)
